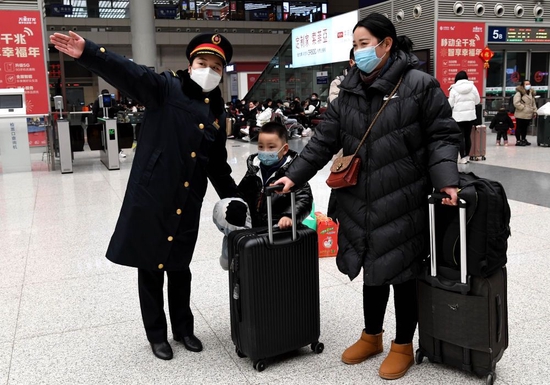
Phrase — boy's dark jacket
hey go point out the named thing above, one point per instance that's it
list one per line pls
(252, 186)
(502, 122)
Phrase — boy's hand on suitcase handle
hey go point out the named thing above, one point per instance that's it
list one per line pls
(286, 182)
(285, 223)
(452, 196)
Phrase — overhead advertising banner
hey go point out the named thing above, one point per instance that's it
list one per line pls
(22, 58)
(458, 47)
(327, 41)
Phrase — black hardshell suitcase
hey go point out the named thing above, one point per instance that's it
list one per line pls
(274, 290)
(543, 130)
(462, 322)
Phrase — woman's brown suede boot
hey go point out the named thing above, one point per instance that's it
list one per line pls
(367, 346)
(398, 361)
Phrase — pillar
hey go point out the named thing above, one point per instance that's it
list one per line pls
(142, 25)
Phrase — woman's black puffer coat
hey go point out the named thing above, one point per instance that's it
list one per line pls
(412, 148)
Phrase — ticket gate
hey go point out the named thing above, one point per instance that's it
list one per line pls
(65, 149)
(109, 141)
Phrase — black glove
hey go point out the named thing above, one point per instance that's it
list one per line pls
(236, 213)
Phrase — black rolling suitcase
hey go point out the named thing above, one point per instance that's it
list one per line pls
(274, 290)
(543, 130)
(462, 320)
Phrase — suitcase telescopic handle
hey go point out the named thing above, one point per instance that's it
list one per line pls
(269, 190)
(432, 199)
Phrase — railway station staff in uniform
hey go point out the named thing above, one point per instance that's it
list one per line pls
(182, 145)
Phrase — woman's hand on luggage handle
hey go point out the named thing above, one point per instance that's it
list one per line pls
(287, 182)
(72, 45)
(453, 192)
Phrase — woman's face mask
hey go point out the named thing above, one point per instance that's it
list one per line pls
(366, 59)
(528, 87)
(207, 78)
(269, 158)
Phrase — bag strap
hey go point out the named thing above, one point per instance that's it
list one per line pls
(377, 115)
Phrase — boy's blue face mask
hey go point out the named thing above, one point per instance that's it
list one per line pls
(269, 158)
(366, 59)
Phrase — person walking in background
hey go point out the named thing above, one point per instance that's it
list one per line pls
(501, 123)
(182, 146)
(526, 109)
(463, 98)
(335, 84)
(411, 148)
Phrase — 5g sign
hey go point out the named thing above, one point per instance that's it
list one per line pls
(497, 34)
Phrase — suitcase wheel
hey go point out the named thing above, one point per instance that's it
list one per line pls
(491, 378)
(317, 347)
(418, 357)
(259, 365)
(239, 353)
(483, 158)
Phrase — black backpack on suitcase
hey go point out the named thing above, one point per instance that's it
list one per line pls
(488, 216)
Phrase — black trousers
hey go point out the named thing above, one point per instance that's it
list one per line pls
(502, 134)
(466, 143)
(150, 284)
(521, 128)
(375, 300)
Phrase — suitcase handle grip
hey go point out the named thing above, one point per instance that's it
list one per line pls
(432, 199)
(499, 317)
(268, 192)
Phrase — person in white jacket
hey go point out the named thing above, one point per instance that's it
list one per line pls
(463, 98)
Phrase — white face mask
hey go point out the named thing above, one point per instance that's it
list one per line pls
(207, 78)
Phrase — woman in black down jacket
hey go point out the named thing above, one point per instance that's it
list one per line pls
(411, 149)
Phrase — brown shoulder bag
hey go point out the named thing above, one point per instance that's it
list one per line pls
(345, 169)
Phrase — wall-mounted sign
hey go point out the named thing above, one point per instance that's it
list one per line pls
(519, 35)
(22, 63)
(458, 47)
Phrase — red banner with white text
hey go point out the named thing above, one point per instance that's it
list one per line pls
(22, 58)
(458, 47)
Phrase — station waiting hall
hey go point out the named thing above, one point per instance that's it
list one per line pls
(68, 315)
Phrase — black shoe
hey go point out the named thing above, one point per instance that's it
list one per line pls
(520, 143)
(526, 143)
(162, 350)
(191, 342)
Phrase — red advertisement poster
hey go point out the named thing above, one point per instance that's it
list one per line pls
(252, 77)
(458, 47)
(22, 63)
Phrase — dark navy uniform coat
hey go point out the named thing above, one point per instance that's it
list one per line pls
(181, 146)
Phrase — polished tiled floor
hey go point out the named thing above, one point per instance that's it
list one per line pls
(68, 316)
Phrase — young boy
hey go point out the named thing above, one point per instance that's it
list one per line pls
(501, 123)
(269, 164)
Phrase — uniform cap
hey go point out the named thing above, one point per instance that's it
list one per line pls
(210, 44)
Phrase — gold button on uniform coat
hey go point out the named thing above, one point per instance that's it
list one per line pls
(102, 49)
(161, 266)
(178, 211)
(201, 126)
(193, 154)
(186, 184)
(206, 100)
(170, 238)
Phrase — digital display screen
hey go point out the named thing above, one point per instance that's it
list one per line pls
(11, 101)
(527, 35)
(519, 35)
(107, 100)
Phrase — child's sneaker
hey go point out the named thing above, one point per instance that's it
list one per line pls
(505, 143)
(498, 142)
